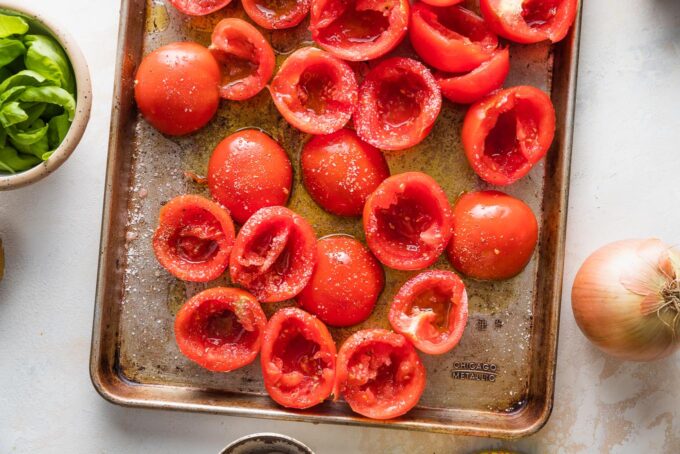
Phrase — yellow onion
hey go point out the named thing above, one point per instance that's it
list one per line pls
(626, 299)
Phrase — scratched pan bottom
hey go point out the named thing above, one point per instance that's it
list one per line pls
(498, 381)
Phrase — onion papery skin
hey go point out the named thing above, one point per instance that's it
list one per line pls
(621, 322)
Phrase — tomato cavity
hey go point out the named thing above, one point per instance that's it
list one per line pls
(399, 102)
(316, 88)
(236, 66)
(505, 142)
(272, 9)
(537, 13)
(197, 240)
(269, 251)
(297, 357)
(455, 24)
(222, 328)
(410, 220)
(436, 301)
(355, 26)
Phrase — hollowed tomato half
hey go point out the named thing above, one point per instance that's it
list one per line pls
(399, 101)
(314, 91)
(199, 7)
(298, 359)
(359, 30)
(379, 374)
(220, 328)
(442, 2)
(478, 83)
(452, 39)
(340, 171)
(407, 221)
(505, 134)
(276, 14)
(346, 283)
(530, 21)
(274, 254)
(245, 57)
(431, 310)
(194, 238)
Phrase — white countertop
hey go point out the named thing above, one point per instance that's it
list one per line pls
(624, 183)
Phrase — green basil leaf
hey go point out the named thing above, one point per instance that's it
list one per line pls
(11, 114)
(26, 78)
(12, 25)
(46, 57)
(10, 49)
(12, 161)
(57, 129)
(50, 95)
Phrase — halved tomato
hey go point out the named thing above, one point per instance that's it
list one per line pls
(314, 91)
(247, 171)
(530, 21)
(199, 7)
(494, 235)
(452, 39)
(245, 57)
(442, 2)
(194, 238)
(379, 374)
(399, 101)
(431, 310)
(274, 254)
(276, 14)
(340, 170)
(346, 282)
(220, 328)
(478, 83)
(407, 221)
(298, 359)
(359, 30)
(505, 134)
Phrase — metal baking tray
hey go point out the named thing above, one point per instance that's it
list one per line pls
(498, 382)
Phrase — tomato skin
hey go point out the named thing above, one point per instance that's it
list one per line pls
(394, 390)
(399, 102)
(494, 235)
(359, 30)
(199, 7)
(274, 254)
(263, 13)
(245, 57)
(478, 83)
(340, 171)
(407, 221)
(508, 19)
(200, 328)
(508, 132)
(295, 342)
(176, 88)
(346, 283)
(451, 39)
(314, 91)
(427, 327)
(249, 170)
(193, 225)
(442, 2)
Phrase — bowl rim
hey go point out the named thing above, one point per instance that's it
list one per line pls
(83, 100)
(266, 436)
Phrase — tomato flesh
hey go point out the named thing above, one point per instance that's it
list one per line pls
(274, 254)
(398, 104)
(430, 309)
(298, 359)
(379, 374)
(220, 328)
(478, 83)
(199, 7)
(276, 14)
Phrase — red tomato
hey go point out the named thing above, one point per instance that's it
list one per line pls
(452, 39)
(379, 374)
(530, 21)
(246, 58)
(346, 283)
(340, 170)
(298, 359)
(276, 14)
(359, 30)
(194, 238)
(399, 101)
(247, 171)
(494, 235)
(407, 221)
(220, 328)
(199, 7)
(314, 91)
(176, 88)
(274, 254)
(431, 310)
(442, 2)
(478, 83)
(505, 134)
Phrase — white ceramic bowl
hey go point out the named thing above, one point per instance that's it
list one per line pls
(83, 101)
